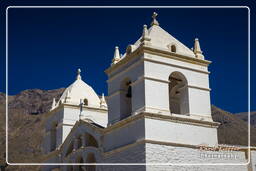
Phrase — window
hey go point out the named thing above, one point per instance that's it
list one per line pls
(173, 48)
(178, 94)
(90, 140)
(125, 98)
(86, 102)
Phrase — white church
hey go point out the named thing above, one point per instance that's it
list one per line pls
(157, 114)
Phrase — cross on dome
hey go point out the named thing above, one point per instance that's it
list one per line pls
(78, 77)
(154, 22)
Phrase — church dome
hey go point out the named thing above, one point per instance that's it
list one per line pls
(79, 92)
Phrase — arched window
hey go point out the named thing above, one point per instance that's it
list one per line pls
(125, 98)
(90, 140)
(178, 94)
(53, 135)
(86, 102)
(173, 48)
(90, 159)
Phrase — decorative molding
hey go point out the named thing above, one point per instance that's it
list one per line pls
(201, 88)
(170, 118)
(173, 65)
(125, 70)
(160, 52)
(173, 55)
(98, 109)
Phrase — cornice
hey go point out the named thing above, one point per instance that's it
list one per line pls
(172, 55)
(160, 52)
(169, 118)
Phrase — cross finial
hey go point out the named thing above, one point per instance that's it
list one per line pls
(154, 22)
(78, 77)
(154, 15)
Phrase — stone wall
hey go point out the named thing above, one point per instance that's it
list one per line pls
(156, 153)
(134, 154)
(253, 160)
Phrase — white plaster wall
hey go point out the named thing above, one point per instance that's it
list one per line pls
(54, 118)
(66, 119)
(199, 98)
(132, 70)
(98, 116)
(199, 102)
(71, 115)
(253, 160)
(65, 130)
(173, 132)
(156, 153)
(138, 95)
(124, 135)
(114, 108)
(135, 154)
(156, 96)
(174, 62)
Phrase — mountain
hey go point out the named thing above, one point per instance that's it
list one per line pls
(244, 116)
(26, 126)
(232, 129)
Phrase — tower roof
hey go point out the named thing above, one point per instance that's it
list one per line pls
(162, 39)
(78, 91)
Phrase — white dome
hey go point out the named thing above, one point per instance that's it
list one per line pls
(80, 90)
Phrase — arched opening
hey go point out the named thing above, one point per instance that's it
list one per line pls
(125, 98)
(173, 48)
(80, 167)
(90, 141)
(53, 136)
(70, 148)
(90, 159)
(178, 94)
(86, 102)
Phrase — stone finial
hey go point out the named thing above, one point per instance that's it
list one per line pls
(116, 56)
(154, 22)
(103, 103)
(145, 30)
(53, 103)
(145, 35)
(78, 77)
(197, 49)
(67, 98)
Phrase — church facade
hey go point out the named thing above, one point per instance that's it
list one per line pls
(157, 112)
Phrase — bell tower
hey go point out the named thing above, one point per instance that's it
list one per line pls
(160, 76)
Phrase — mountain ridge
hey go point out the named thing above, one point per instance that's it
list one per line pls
(27, 112)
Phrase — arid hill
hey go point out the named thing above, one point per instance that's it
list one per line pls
(26, 117)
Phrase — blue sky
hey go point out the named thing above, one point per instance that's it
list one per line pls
(46, 46)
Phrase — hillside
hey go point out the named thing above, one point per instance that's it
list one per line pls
(232, 129)
(244, 116)
(26, 117)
